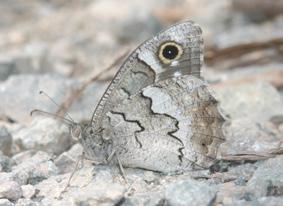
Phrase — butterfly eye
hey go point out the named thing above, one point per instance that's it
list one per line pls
(76, 132)
(169, 51)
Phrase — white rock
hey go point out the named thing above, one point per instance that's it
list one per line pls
(23, 91)
(5, 202)
(28, 191)
(257, 101)
(36, 169)
(190, 192)
(66, 161)
(5, 177)
(44, 134)
(23, 156)
(85, 188)
(246, 139)
(10, 190)
(268, 178)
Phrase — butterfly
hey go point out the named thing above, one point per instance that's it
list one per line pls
(157, 113)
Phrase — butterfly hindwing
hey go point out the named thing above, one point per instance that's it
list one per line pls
(173, 125)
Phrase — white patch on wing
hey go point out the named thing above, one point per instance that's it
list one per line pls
(161, 101)
(177, 74)
(176, 102)
(174, 63)
(149, 58)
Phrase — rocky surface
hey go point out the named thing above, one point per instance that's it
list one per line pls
(56, 86)
(64, 49)
(5, 141)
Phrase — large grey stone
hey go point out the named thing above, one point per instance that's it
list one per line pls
(23, 92)
(39, 167)
(30, 59)
(229, 192)
(67, 160)
(268, 178)
(44, 134)
(243, 75)
(20, 95)
(249, 33)
(190, 192)
(86, 188)
(246, 139)
(256, 101)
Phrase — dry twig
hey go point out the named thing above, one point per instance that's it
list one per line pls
(69, 100)
(213, 56)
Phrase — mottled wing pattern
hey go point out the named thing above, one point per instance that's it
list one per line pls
(170, 126)
(143, 67)
(157, 113)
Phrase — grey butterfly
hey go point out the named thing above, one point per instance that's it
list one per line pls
(157, 113)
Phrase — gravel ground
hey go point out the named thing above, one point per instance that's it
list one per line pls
(57, 46)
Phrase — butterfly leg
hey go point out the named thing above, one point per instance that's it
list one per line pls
(111, 156)
(113, 153)
(121, 168)
(79, 160)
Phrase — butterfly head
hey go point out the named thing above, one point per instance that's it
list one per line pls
(91, 139)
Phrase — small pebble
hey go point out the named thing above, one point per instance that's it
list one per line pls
(5, 141)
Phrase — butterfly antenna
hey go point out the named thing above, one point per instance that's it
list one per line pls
(46, 95)
(67, 121)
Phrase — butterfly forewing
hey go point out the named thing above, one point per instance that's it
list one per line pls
(146, 66)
